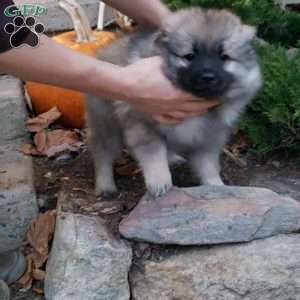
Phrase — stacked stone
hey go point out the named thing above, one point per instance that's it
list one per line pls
(241, 242)
(232, 243)
(18, 205)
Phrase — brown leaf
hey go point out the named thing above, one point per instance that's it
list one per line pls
(128, 170)
(39, 274)
(40, 233)
(123, 161)
(52, 143)
(240, 143)
(39, 291)
(108, 207)
(29, 149)
(40, 141)
(27, 279)
(43, 121)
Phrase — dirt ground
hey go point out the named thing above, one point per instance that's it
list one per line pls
(74, 177)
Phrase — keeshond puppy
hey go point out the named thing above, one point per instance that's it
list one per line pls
(207, 53)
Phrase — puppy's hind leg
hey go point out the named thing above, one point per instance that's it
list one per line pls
(105, 144)
(150, 151)
(207, 167)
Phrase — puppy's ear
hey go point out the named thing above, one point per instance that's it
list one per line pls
(248, 33)
(161, 38)
(243, 34)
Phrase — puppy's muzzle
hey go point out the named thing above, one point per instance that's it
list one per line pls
(211, 83)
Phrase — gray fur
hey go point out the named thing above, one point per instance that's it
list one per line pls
(198, 139)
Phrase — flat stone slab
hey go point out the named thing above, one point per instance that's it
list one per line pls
(261, 270)
(87, 261)
(208, 215)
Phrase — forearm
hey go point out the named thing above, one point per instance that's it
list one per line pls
(51, 63)
(149, 13)
(54, 64)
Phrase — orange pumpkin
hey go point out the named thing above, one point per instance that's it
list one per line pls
(70, 103)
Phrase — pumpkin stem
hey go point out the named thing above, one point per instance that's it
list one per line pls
(80, 20)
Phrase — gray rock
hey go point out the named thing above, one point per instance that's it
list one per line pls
(18, 205)
(86, 261)
(4, 291)
(261, 270)
(209, 215)
(283, 184)
(12, 110)
(56, 18)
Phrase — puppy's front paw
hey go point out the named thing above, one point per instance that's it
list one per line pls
(108, 195)
(159, 191)
(213, 181)
(106, 187)
(159, 185)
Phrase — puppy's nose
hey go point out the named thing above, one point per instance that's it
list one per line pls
(208, 77)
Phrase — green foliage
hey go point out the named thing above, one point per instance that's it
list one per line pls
(274, 24)
(273, 120)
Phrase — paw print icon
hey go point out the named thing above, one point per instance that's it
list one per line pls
(21, 27)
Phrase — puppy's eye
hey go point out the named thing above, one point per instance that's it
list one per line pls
(189, 56)
(220, 49)
(225, 57)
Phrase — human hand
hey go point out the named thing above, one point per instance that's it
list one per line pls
(151, 92)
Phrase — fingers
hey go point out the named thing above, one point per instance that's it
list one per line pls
(187, 107)
(176, 117)
(164, 119)
(198, 106)
(181, 115)
(188, 110)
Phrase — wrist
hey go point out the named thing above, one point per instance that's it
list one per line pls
(128, 83)
(106, 80)
(121, 84)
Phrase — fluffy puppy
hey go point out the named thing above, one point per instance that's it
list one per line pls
(207, 53)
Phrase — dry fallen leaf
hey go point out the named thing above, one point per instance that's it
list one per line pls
(108, 207)
(39, 236)
(240, 143)
(30, 149)
(51, 143)
(43, 121)
(27, 279)
(39, 274)
(129, 169)
(40, 233)
(39, 291)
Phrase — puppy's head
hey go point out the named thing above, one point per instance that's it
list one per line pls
(207, 51)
